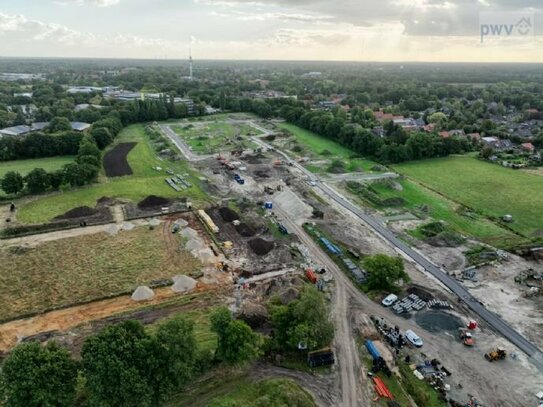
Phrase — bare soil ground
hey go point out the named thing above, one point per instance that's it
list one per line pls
(115, 160)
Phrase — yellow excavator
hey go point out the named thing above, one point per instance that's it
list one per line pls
(498, 354)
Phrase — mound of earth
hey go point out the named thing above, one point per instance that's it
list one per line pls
(79, 212)
(260, 246)
(254, 314)
(153, 201)
(228, 215)
(245, 230)
(289, 295)
(142, 293)
(115, 161)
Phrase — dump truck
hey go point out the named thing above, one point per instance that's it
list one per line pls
(498, 354)
(466, 337)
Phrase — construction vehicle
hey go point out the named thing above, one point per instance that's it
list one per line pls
(498, 354)
(311, 276)
(466, 337)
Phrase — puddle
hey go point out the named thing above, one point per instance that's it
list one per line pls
(438, 321)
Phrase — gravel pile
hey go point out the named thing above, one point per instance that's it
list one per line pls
(142, 293)
(260, 246)
(182, 283)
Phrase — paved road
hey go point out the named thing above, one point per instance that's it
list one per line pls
(493, 320)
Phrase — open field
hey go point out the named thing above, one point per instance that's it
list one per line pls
(212, 137)
(490, 190)
(69, 271)
(25, 166)
(237, 389)
(314, 145)
(144, 181)
(444, 209)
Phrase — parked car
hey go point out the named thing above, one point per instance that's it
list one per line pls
(389, 300)
(413, 338)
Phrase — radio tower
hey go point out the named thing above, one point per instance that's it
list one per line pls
(190, 64)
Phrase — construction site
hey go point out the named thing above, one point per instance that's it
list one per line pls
(272, 227)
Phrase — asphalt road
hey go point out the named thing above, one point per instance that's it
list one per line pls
(493, 320)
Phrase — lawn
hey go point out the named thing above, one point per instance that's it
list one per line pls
(143, 182)
(233, 388)
(488, 189)
(444, 209)
(319, 144)
(68, 271)
(25, 166)
(212, 137)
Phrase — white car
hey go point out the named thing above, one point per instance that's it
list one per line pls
(389, 300)
(413, 338)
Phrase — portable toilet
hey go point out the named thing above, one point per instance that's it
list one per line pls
(268, 205)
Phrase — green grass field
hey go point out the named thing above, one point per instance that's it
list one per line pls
(444, 209)
(213, 137)
(317, 145)
(143, 182)
(235, 388)
(25, 166)
(488, 189)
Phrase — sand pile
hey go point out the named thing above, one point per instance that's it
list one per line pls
(142, 293)
(181, 223)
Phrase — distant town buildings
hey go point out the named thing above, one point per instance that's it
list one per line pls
(38, 126)
(13, 77)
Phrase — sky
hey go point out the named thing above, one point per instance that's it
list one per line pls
(338, 30)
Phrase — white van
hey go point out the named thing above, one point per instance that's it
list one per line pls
(389, 300)
(413, 338)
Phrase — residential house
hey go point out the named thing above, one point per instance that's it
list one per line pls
(528, 147)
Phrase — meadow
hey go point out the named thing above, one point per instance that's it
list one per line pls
(143, 182)
(321, 148)
(489, 190)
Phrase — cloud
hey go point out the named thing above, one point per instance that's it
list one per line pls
(99, 3)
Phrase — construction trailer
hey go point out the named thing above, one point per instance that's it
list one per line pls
(321, 357)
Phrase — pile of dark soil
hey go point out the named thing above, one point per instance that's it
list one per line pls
(424, 295)
(261, 246)
(262, 174)
(228, 215)
(245, 230)
(104, 200)
(115, 161)
(153, 201)
(79, 212)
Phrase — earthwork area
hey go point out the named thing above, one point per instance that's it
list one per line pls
(115, 161)
(84, 268)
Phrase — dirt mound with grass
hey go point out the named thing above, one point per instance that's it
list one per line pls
(79, 212)
(153, 201)
(260, 246)
(228, 215)
(245, 230)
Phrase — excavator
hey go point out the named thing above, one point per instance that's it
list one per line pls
(498, 354)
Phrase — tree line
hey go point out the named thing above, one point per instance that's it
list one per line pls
(128, 365)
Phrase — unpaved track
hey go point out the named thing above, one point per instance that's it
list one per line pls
(346, 352)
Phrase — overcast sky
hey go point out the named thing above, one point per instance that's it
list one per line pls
(357, 30)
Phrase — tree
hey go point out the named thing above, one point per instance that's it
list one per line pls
(117, 363)
(384, 271)
(304, 321)
(37, 181)
(176, 357)
(59, 124)
(102, 136)
(236, 341)
(12, 183)
(56, 178)
(34, 375)
(487, 152)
